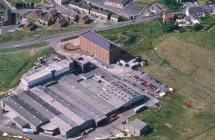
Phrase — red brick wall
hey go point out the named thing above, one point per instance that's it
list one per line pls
(98, 51)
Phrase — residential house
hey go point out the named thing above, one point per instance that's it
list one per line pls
(114, 18)
(85, 20)
(43, 20)
(82, 8)
(197, 12)
(40, 17)
(60, 2)
(103, 15)
(117, 3)
(37, 14)
(53, 13)
(74, 5)
(168, 17)
(183, 22)
(29, 27)
(61, 22)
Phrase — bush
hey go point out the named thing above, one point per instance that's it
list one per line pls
(170, 26)
(171, 4)
(197, 27)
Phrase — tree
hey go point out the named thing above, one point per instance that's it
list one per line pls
(170, 26)
(197, 27)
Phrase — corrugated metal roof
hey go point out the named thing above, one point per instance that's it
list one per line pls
(20, 121)
(102, 42)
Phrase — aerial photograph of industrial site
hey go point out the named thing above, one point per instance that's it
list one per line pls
(107, 69)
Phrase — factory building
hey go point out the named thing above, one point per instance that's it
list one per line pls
(73, 104)
(47, 73)
(100, 47)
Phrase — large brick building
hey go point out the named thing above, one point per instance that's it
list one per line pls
(100, 47)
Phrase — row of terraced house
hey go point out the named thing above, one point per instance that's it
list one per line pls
(97, 13)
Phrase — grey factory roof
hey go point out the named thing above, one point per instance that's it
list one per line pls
(20, 121)
(137, 124)
(104, 43)
(29, 113)
(118, 94)
(44, 71)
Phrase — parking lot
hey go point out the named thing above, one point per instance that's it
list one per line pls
(147, 83)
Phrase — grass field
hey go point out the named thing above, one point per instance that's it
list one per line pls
(20, 35)
(1, 8)
(189, 68)
(13, 63)
(13, 2)
(169, 5)
(136, 37)
(32, 46)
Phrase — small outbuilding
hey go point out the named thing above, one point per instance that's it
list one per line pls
(138, 127)
(20, 123)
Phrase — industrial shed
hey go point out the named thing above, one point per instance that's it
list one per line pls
(138, 127)
(44, 74)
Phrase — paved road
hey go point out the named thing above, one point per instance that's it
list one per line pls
(65, 35)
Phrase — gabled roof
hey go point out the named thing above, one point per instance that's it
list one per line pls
(39, 12)
(62, 21)
(100, 12)
(53, 12)
(118, 1)
(86, 18)
(102, 42)
(29, 25)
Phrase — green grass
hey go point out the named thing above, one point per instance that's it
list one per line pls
(170, 5)
(14, 64)
(136, 38)
(21, 35)
(1, 8)
(184, 61)
(13, 2)
(31, 46)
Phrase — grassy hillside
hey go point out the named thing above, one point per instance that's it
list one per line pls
(186, 62)
(14, 63)
(41, 32)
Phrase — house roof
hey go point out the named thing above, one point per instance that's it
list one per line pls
(53, 12)
(39, 12)
(118, 1)
(86, 18)
(102, 42)
(169, 15)
(100, 12)
(62, 21)
(29, 25)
